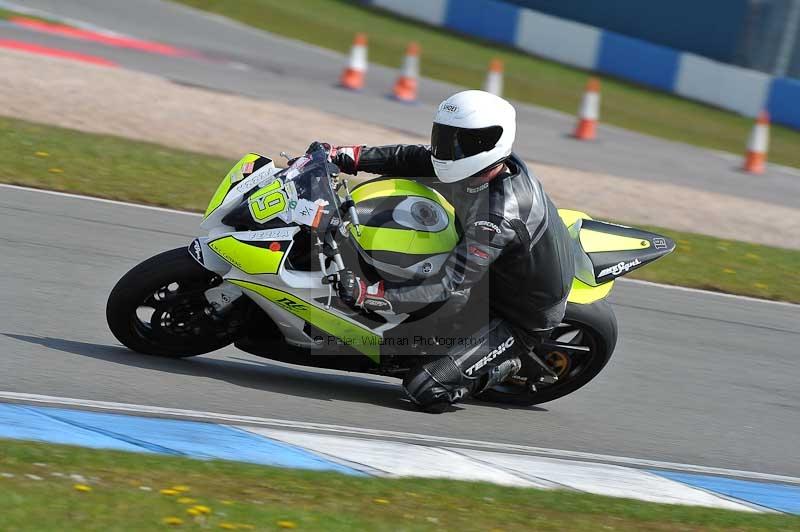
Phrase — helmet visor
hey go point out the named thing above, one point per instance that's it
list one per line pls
(450, 143)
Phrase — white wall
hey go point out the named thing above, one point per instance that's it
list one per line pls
(727, 86)
(562, 40)
(429, 11)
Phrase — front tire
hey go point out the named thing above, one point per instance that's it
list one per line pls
(594, 326)
(159, 308)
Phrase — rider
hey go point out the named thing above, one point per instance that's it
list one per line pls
(511, 231)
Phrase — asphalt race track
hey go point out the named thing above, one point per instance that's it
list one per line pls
(245, 61)
(697, 378)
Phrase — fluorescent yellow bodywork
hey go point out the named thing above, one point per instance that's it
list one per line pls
(404, 240)
(250, 259)
(399, 187)
(233, 177)
(407, 240)
(596, 241)
(570, 217)
(583, 294)
(360, 338)
(268, 202)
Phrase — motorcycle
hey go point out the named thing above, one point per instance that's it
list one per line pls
(263, 277)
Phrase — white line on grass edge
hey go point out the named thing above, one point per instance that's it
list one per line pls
(392, 435)
(187, 213)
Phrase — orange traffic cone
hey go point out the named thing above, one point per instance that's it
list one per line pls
(494, 79)
(405, 88)
(353, 75)
(755, 161)
(589, 112)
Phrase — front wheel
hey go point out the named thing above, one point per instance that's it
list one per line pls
(592, 330)
(160, 308)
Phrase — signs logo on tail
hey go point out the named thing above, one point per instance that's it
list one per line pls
(619, 268)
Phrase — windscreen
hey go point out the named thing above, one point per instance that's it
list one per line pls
(301, 194)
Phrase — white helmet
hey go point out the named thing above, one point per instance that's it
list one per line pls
(472, 131)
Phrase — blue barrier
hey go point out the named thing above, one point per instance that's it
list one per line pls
(488, 19)
(783, 102)
(638, 61)
(627, 58)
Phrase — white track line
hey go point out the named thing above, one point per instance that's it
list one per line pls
(706, 292)
(99, 200)
(387, 434)
(24, 10)
(187, 213)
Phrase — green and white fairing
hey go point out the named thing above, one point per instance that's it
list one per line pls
(253, 224)
(261, 217)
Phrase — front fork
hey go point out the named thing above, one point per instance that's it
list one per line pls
(221, 297)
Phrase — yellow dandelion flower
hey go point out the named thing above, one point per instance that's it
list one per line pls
(42, 154)
(55, 171)
(193, 511)
(202, 509)
(381, 501)
(228, 526)
(181, 489)
(761, 285)
(286, 524)
(728, 270)
(82, 487)
(168, 492)
(187, 500)
(173, 521)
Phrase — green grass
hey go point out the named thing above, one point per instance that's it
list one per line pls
(111, 167)
(453, 58)
(726, 266)
(106, 166)
(245, 496)
(6, 14)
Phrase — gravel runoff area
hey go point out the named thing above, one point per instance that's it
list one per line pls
(144, 107)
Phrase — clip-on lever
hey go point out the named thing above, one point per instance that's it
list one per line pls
(351, 209)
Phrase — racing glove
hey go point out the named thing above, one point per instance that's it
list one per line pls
(355, 293)
(346, 158)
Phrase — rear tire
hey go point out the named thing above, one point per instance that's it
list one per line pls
(172, 285)
(599, 325)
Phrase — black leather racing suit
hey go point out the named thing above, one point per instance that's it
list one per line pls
(513, 235)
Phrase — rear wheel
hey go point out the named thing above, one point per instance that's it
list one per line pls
(159, 308)
(590, 331)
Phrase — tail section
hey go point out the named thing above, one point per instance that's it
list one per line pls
(605, 251)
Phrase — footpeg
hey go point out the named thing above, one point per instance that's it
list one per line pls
(503, 371)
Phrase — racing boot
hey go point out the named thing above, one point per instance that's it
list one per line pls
(485, 360)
